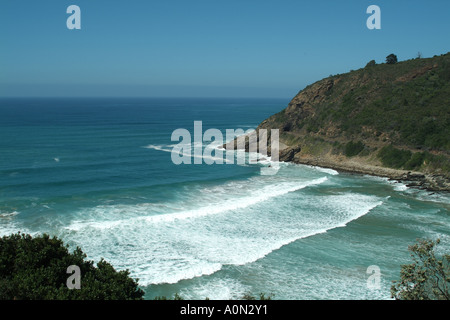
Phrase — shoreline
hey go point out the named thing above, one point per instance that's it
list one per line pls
(429, 182)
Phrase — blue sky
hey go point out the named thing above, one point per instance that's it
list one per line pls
(198, 48)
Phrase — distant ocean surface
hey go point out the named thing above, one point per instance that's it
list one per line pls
(98, 174)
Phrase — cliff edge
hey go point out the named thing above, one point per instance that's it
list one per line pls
(389, 120)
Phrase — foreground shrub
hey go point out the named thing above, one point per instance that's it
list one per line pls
(427, 278)
(36, 269)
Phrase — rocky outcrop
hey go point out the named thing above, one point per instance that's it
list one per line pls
(288, 154)
(431, 182)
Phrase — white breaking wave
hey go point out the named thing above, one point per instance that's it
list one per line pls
(265, 193)
(376, 178)
(223, 230)
(216, 289)
(8, 214)
(254, 158)
(192, 154)
(326, 170)
(9, 225)
(399, 186)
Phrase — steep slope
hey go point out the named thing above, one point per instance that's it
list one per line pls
(388, 119)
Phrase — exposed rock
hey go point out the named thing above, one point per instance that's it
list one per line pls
(287, 155)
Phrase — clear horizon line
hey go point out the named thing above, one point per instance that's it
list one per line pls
(136, 97)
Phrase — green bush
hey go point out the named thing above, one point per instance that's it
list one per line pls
(438, 162)
(393, 157)
(353, 148)
(391, 59)
(427, 278)
(36, 269)
(416, 161)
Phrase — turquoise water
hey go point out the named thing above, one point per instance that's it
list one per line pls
(98, 174)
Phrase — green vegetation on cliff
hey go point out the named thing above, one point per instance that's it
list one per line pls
(394, 115)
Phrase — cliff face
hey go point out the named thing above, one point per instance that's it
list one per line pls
(386, 120)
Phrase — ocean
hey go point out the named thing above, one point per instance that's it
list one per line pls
(98, 174)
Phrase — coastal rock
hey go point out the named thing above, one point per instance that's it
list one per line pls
(287, 155)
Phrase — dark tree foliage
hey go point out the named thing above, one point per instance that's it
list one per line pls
(36, 269)
(427, 278)
(393, 157)
(353, 148)
(391, 59)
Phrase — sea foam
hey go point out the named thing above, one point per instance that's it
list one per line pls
(223, 229)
